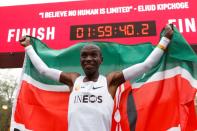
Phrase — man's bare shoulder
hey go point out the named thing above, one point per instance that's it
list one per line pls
(115, 78)
(69, 77)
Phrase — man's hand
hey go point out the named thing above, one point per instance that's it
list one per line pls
(25, 41)
(168, 31)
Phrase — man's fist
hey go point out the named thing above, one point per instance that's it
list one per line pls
(168, 31)
(25, 41)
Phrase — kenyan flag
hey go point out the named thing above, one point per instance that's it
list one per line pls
(159, 100)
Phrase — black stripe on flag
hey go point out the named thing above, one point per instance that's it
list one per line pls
(131, 112)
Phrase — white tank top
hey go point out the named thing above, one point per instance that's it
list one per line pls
(90, 106)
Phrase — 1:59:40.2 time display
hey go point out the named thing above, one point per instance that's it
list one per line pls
(113, 30)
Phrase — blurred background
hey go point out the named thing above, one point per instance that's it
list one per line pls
(9, 79)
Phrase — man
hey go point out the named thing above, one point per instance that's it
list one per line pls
(91, 98)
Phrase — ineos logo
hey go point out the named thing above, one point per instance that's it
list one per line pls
(88, 99)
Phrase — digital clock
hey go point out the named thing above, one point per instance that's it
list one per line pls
(113, 30)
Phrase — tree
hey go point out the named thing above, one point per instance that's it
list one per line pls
(7, 86)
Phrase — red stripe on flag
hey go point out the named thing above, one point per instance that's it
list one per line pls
(41, 110)
(160, 105)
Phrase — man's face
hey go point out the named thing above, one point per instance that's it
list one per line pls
(90, 59)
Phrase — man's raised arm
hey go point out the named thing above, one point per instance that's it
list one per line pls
(138, 69)
(43, 69)
(130, 73)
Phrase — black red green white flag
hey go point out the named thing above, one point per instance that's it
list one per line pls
(159, 100)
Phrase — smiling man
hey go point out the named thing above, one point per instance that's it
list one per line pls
(91, 99)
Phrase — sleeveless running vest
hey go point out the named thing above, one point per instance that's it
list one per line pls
(90, 106)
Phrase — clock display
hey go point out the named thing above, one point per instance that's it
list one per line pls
(113, 30)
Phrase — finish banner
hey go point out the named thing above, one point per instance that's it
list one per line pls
(63, 24)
